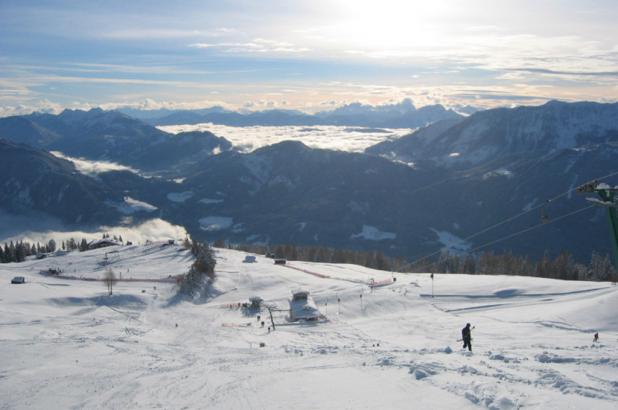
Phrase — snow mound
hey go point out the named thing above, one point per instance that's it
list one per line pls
(424, 370)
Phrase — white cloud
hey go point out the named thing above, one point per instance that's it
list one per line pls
(148, 33)
(431, 45)
(92, 168)
(256, 45)
(130, 206)
(246, 139)
(41, 228)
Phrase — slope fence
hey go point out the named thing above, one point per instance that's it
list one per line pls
(371, 283)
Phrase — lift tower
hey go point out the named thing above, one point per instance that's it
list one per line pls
(608, 199)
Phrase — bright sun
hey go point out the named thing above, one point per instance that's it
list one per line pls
(394, 26)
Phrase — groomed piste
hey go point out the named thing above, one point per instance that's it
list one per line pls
(66, 343)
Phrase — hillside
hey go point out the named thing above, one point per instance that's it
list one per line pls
(497, 136)
(36, 181)
(64, 340)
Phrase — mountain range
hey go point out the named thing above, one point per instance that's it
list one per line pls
(400, 115)
(435, 188)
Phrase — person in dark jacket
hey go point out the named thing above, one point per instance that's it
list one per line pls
(466, 335)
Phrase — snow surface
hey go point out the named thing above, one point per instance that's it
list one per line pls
(179, 196)
(208, 201)
(452, 243)
(371, 233)
(216, 223)
(498, 173)
(247, 139)
(65, 344)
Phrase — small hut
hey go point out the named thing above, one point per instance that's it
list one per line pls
(302, 306)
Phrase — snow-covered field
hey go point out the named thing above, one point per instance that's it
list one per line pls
(65, 344)
(246, 139)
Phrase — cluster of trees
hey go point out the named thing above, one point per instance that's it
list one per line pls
(202, 271)
(18, 251)
(562, 266)
(114, 237)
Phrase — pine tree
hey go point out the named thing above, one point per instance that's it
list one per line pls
(51, 245)
(20, 253)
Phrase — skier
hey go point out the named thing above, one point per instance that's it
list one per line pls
(596, 337)
(467, 337)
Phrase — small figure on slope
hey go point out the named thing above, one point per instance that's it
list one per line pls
(466, 335)
(596, 337)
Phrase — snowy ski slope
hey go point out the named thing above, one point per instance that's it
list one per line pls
(65, 344)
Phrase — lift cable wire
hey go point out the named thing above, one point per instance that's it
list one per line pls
(512, 218)
(504, 238)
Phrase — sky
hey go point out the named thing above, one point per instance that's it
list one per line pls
(307, 55)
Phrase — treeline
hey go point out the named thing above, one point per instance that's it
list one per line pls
(562, 266)
(370, 259)
(19, 251)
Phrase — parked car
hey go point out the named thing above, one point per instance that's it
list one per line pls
(280, 261)
(18, 280)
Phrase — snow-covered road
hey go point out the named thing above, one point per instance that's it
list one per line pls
(65, 344)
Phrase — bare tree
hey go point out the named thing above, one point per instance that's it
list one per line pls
(109, 278)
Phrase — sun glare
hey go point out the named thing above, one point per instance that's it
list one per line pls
(393, 26)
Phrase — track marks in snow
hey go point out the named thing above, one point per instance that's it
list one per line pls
(514, 373)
